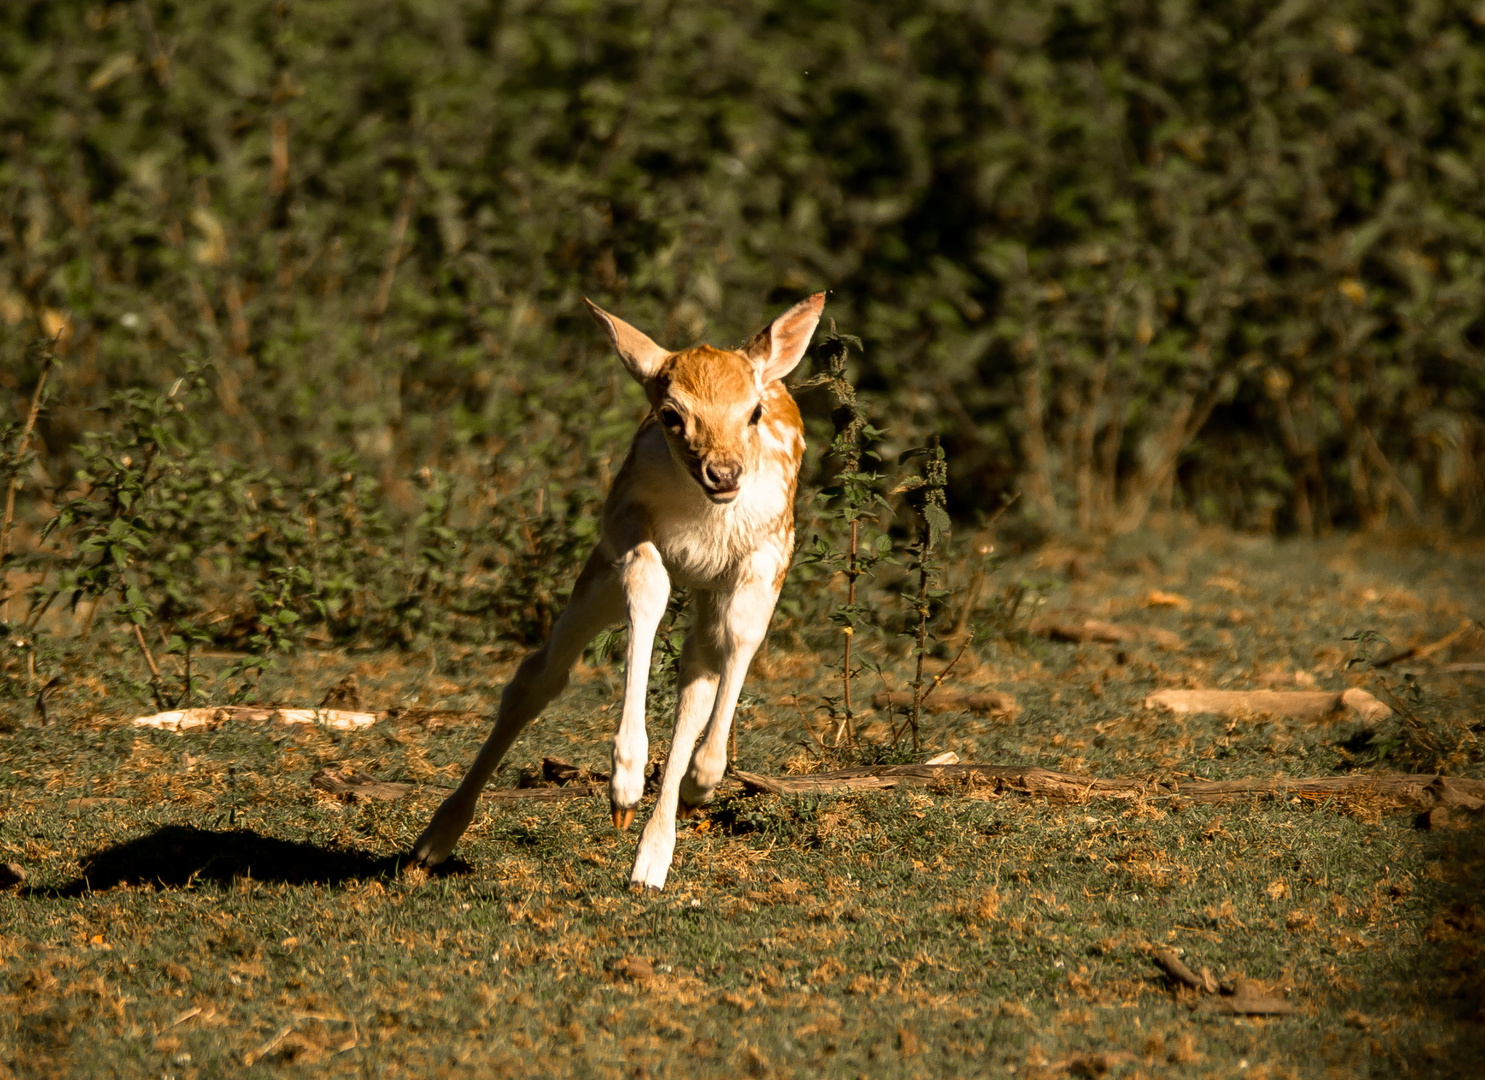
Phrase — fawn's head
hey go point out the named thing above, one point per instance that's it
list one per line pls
(710, 402)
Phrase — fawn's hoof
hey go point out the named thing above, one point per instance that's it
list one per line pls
(432, 848)
(623, 817)
(684, 810)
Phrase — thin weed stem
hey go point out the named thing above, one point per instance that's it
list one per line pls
(22, 445)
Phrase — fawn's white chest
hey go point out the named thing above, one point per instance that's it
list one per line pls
(707, 545)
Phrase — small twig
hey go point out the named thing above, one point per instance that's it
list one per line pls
(187, 692)
(181, 1019)
(933, 482)
(159, 58)
(977, 581)
(149, 658)
(15, 481)
(844, 728)
(976, 584)
(944, 674)
(394, 256)
(806, 724)
(269, 1047)
(1421, 733)
(1379, 459)
(1423, 652)
(37, 610)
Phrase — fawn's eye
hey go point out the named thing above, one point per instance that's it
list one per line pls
(671, 418)
(757, 414)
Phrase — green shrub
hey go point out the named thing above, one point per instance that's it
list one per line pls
(1121, 255)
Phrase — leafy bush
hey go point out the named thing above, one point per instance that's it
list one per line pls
(1120, 255)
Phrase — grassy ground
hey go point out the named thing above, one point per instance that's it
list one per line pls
(194, 906)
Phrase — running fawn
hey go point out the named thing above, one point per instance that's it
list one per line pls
(705, 499)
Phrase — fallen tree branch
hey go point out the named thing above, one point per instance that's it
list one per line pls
(426, 717)
(1423, 652)
(1417, 791)
(1424, 792)
(1167, 961)
(1241, 997)
(214, 716)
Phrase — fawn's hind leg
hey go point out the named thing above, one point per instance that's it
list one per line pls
(738, 626)
(699, 674)
(597, 602)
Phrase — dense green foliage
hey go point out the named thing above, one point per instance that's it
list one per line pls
(1117, 254)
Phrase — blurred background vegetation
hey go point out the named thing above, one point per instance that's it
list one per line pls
(1120, 255)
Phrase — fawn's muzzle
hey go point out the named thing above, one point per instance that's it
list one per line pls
(720, 481)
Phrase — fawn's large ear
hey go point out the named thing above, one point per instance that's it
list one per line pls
(641, 356)
(779, 346)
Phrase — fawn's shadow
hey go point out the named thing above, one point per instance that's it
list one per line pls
(178, 856)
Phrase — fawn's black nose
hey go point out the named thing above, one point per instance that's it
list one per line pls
(720, 479)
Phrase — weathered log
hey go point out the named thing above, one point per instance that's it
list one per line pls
(1461, 794)
(1415, 792)
(815, 783)
(1243, 998)
(1421, 792)
(1026, 779)
(1295, 703)
(1167, 961)
(214, 716)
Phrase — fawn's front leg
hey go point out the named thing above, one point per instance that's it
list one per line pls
(696, 692)
(733, 626)
(646, 592)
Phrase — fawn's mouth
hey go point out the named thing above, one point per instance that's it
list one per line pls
(721, 498)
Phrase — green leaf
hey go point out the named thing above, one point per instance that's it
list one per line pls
(938, 523)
